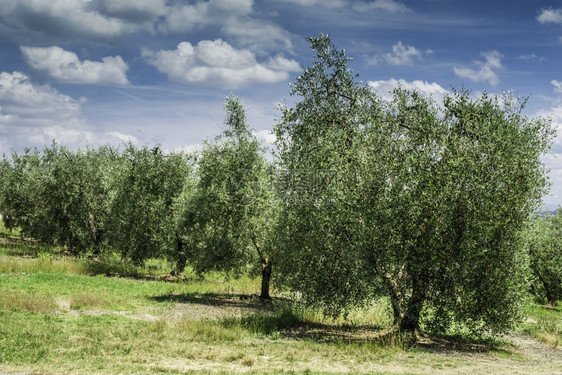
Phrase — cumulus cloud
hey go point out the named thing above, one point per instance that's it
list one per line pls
(106, 20)
(137, 11)
(73, 19)
(402, 55)
(234, 19)
(34, 115)
(64, 21)
(550, 16)
(486, 73)
(385, 88)
(217, 63)
(65, 66)
(258, 35)
(557, 85)
(281, 63)
(184, 17)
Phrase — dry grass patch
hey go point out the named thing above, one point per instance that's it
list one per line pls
(43, 263)
(14, 301)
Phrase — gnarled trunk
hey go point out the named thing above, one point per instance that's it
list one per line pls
(266, 268)
(411, 320)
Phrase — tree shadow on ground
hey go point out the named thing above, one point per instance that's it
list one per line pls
(391, 337)
(329, 334)
(456, 344)
(278, 316)
(228, 300)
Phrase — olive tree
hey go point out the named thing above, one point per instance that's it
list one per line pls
(420, 202)
(147, 183)
(545, 252)
(228, 213)
(75, 196)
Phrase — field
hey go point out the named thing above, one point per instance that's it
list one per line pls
(60, 315)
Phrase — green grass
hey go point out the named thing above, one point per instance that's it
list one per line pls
(545, 324)
(65, 315)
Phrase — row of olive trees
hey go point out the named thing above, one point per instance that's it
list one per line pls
(144, 203)
(423, 203)
(57, 196)
(88, 201)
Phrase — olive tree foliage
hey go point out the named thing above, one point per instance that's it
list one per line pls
(146, 185)
(75, 198)
(57, 196)
(20, 192)
(227, 214)
(319, 149)
(420, 202)
(545, 252)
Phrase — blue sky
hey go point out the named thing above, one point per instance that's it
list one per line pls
(87, 72)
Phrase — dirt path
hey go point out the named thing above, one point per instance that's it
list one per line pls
(535, 350)
(529, 357)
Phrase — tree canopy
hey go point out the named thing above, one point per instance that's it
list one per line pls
(228, 212)
(426, 204)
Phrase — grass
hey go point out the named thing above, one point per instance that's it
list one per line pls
(65, 315)
(545, 324)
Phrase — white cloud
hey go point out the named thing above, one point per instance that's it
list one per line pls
(486, 72)
(217, 63)
(66, 67)
(550, 15)
(185, 17)
(557, 85)
(265, 136)
(34, 115)
(402, 55)
(63, 21)
(21, 98)
(281, 63)
(385, 88)
(234, 19)
(132, 10)
(69, 19)
(105, 20)
(390, 6)
(257, 34)
(126, 138)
